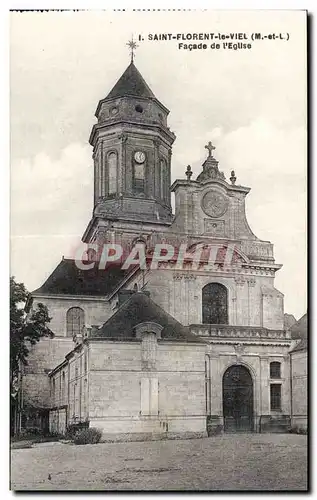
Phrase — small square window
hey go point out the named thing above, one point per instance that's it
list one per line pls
(275, 369)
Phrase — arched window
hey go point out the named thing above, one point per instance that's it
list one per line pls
(75, 320)
(139, 173)
(215, 304)
(275, 369)
(112, 161)
(163, 179)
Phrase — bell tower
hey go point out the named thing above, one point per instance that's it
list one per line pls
(132, 147)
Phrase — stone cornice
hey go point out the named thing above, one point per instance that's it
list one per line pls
(99, 298)
(202, 185)
(286, 343)
(128, 96)
(271, 266)
(164, 131)
(237, 333)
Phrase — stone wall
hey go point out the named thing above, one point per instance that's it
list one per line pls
(48, 353)
(125, 397)
(256, 357)
(252, 300)
(191, 218)
(43, 357)
(299, 389)
(97, 311)
(58, 421)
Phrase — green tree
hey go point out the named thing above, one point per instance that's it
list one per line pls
(25, 330)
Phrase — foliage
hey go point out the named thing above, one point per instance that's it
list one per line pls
(20, 445)
(87, 436)
(24, 330)
(34, 435)
(214, 430)
(296, 429)
(72, 429)
(30, 432)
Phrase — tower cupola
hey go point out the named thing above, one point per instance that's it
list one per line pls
(132, 153)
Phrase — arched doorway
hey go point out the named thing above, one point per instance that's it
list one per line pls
(215, 304)
(237, 392)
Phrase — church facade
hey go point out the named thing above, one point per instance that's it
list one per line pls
(183, 342)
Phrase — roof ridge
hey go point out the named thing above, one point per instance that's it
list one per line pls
(124, 304)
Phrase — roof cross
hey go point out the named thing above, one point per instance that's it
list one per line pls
(133, 46)
(210, 148)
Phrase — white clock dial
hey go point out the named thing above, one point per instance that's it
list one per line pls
(139, 157)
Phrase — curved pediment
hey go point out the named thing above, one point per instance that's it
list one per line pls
(219, 253)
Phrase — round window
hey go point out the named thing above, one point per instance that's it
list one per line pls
(113, 111)
(139, 108)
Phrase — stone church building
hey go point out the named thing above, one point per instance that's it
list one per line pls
(181, 347)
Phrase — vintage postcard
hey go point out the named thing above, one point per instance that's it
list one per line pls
(158, 250)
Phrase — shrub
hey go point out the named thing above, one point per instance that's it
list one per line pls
(21, 445)
(73, 429)
(88, 436)
(214, 430)
(298, 430)
(50, 437)
(31, 431)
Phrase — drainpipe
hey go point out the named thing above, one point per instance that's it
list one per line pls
(291, 386)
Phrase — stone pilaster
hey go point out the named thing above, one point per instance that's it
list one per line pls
(124, 170)
(241, 300)
(149, 333)
(168, 182)
(264, 405)
(251, 302)
(155, 188)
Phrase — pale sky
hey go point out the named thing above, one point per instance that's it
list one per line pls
(250, 103)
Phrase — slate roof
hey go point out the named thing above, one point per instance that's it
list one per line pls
(138, 309)
(289, 321)
(68, 279)
(131, 83)
(299, 331)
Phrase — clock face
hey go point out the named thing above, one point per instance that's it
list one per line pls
(139, 157)
(214, 204)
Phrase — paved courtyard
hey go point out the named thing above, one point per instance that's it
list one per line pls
(230, 461)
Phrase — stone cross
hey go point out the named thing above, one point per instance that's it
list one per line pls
(210, 148)
(132, 45)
